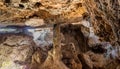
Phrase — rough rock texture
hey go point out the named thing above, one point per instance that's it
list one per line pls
(87, 49)
(21, 49)
(59, 34)
(15, 51)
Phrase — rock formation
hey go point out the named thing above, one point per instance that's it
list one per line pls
(59, 34)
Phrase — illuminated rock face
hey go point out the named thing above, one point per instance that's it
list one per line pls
(19, 44)
(41, 36)
(15, 51)
(59, 34)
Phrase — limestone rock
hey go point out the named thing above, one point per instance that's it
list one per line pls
(59, 34)
(34, 22)
(15, 53)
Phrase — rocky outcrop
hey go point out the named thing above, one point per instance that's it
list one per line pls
(87, 48)
(59, 34)
(24, 47)
(15, 51)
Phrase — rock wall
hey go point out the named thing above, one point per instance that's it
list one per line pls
(59, 34)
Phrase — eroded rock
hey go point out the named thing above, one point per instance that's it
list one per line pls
(15, 53)
(59, 34)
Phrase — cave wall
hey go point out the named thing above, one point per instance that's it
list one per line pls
(59, 34)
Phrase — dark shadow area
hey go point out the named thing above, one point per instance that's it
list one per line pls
(24, 1)
(7, 1)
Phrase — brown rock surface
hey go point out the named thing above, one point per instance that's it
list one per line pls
(59, 34)
(15, 51)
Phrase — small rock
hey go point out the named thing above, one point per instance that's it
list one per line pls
(34, 22)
